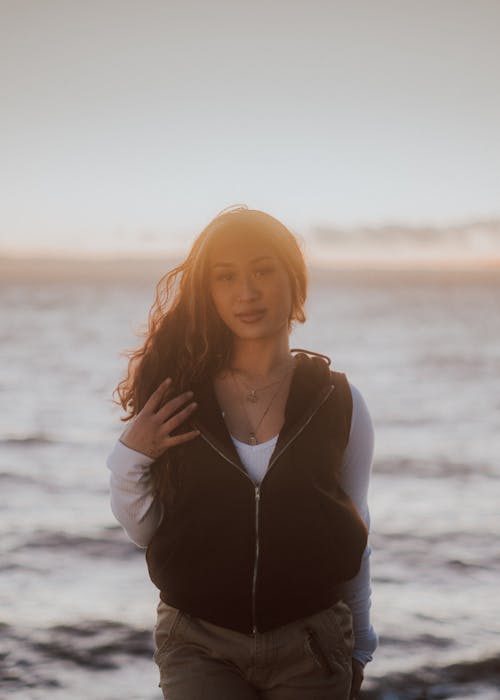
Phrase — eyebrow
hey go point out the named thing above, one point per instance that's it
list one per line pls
(252, 262)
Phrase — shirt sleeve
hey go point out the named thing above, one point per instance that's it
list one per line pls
(355, 477)
(131, 493)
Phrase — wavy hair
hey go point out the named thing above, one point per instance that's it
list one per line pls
(185, 337)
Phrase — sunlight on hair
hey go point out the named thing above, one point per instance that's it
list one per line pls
(233, 207)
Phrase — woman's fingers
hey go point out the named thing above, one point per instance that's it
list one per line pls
(173, 440)
(176, 420)
(357, 679)
(150, 431)
(166, 411)
(156, 398)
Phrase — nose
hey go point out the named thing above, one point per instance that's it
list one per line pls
(247, 289)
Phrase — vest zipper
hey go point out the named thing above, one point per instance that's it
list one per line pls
(256, 561)
(257, 489)
(257, 500)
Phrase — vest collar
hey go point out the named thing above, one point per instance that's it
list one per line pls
(310, 386)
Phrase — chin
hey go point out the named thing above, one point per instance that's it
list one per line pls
(251, 335)
(258, 333)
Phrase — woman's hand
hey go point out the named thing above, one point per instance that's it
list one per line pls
(149, 432)
(357, 679)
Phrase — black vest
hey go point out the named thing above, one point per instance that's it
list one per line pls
(248, 557)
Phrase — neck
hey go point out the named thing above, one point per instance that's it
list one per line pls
(259, 358)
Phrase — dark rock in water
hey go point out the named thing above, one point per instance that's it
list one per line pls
(110, 545)
(438, 683)
(424, 640)
(94, 644)
(35, 661)
(474, 670)
(20, 666)
(28, 440)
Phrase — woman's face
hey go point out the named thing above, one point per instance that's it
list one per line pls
(249, 287)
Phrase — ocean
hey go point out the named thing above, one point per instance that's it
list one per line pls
(76, 606)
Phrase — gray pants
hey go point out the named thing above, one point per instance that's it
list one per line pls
(308, 659)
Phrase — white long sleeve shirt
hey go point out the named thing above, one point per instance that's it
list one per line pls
(140, 514)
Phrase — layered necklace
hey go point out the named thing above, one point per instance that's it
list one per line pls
(251, 396)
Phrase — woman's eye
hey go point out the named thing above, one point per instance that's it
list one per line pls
(263, 271)
(224, 277)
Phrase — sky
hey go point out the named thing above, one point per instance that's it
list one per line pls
(126, 126)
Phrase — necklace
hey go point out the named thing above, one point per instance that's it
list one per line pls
(252, 436)
(251, 395)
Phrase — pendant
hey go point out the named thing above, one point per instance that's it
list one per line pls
(252, 439)
(252, 396)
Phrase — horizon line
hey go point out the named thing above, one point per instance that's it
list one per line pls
(148, 268)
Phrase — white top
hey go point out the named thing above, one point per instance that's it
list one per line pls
(140, 514)
(255, 458)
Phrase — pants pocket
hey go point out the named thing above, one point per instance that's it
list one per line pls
(322, 655)
(329, 639)
(168, 621)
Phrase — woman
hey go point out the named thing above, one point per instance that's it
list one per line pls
(245, 472)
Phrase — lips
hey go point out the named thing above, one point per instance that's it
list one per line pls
(251, 316)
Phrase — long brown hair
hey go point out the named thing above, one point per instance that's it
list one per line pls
(185, 338)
